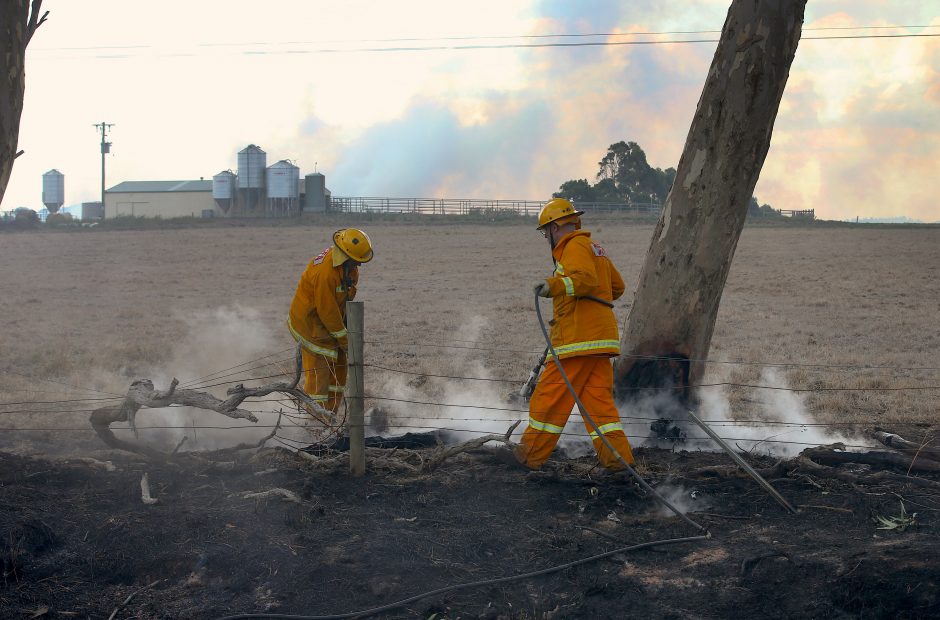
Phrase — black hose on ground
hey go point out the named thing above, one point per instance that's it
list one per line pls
(590, 420)
(473, 584)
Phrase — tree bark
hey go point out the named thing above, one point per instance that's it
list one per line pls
(670, 326)
(18, 23)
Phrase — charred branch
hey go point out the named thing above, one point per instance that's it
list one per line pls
(807, 465)
(877, 458)
(446, 453)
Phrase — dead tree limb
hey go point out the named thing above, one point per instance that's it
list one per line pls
(878, 458)
(669, 330)
(142, 394)
(808, 465)
(908, 447)
(443, 454)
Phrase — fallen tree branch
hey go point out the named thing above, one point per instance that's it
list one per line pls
(251, 446)
(908, 447)
(284, 494)
(873, 478)
(822, 507)
(130, 598)
(776, 470)
(443, 454)
(880, 458)
(142, 394)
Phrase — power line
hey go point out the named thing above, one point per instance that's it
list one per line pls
(497, 46)
(469, 38)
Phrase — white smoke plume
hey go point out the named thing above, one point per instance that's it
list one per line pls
(480, 407)
(215, 340)
(683, 499)
(779, 424)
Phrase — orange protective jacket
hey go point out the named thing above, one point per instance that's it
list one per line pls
(583, 326)
(318, 311)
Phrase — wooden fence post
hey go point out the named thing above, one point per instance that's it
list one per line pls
(354, 389)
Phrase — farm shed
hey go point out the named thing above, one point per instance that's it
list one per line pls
(164, 199)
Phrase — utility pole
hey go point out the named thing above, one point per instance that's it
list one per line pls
(105, 148)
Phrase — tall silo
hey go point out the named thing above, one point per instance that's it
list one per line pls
(223, 189)
(252, 162)
(53, 190)
(315, 193)
(283, 188)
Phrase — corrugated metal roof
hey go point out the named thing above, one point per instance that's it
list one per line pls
(128, 187)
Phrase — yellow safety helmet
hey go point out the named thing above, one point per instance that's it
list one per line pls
(557, 209)
(354, 243)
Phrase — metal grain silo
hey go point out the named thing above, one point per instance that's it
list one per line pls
(223, 189)
(283, 188)
(251, 165)
(282, 180)
(315, 192)
(53, 190)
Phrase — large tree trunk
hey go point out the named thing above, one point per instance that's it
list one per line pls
(670, 325)
(17, 25)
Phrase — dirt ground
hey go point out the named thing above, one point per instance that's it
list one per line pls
(84, 313)
(78, 541)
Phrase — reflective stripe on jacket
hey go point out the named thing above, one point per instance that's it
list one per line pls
(582, 326)
(318, 310)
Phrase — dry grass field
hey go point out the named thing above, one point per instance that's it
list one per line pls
(97, 309)
(86, 312)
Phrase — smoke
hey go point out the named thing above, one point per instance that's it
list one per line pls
(779, 423)
(478, 407)
(231, 338)
(683, 499)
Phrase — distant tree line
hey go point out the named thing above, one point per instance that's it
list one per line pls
(624, 175)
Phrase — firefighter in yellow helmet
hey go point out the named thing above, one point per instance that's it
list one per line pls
(585, 337)
(317, 318)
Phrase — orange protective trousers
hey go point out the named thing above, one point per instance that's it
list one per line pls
(552, 402)
(325, 378)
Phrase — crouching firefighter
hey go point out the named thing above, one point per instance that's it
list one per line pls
(585, 337)
(317, 318)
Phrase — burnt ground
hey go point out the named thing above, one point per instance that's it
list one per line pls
(76, 541)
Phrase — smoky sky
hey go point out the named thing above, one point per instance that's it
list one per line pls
(430, 150)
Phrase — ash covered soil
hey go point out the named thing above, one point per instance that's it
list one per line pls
(77, 541)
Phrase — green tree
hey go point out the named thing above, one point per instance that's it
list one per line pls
(578, 190)
(624, 175)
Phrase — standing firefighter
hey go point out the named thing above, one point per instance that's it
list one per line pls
(584, 335)
(317, 318)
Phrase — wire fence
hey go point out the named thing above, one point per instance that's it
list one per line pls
(291, 413)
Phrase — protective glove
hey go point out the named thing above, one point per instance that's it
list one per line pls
(542, 289)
